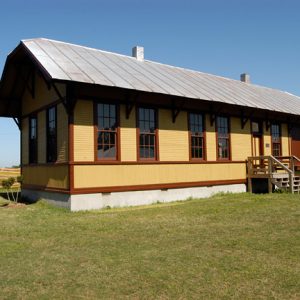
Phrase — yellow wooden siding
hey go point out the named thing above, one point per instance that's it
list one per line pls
(83, 131)
(211, 150)
(128, 135)
(127, 175)
(173, 137)
(62, 134)
(42, 135)
(240, 140)
(43, 96)
(267, 140)
(25, 141)
(46, 176)
(285, 140)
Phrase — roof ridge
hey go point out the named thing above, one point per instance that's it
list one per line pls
(76, 45)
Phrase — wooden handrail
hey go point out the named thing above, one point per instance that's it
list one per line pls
(296, 158)
(271, 165)
(281, 164)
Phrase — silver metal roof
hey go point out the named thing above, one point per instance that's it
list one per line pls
(65, 61)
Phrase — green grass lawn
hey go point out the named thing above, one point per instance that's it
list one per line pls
(226, 247)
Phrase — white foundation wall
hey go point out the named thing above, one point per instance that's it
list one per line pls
(134, 198)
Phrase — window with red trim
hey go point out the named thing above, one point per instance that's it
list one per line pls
(51, 135)
(147, 124)
(196, 126)
(107, 133)
(33, 140)
(276, 139)
(223, 147)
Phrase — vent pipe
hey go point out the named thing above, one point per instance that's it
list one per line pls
(138, 53)
(245, 78)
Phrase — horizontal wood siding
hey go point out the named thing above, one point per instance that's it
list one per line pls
(240, 140)
(267, 140)
(285, 140)
(211, 147)
(46, 176)
(83, 131)
(62, 134)
(173, 137)
(128, 135)
(126, 175)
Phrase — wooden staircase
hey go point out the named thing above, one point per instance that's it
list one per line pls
(282, 182)
(279, 171)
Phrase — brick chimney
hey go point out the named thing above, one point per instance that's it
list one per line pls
(245, 78)
(138, 53)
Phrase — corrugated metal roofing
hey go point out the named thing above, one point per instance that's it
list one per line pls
(65, 61)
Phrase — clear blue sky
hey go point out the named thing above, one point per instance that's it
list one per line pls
(260, 37)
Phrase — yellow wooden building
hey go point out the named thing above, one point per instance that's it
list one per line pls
(101, 129)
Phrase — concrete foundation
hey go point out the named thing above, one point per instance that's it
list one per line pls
(134, 198)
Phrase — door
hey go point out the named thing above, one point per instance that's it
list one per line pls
(257, 139)
(295, 143)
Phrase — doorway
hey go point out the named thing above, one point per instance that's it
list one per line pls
(257, 138)
(295, 144)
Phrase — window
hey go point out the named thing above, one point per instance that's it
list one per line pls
(276, 139)
(51, 135)
(256, 128)
(33, 140)
(223, 146)
(107, 131)
(196, 127)
(147, 124)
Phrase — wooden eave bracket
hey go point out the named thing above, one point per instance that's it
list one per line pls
(18, 123)
(129, 108)
(30, 84)
(70, 100)
(29, 80)
(214, 111)
(176, 110)
(60, 97)
(245, 119)
(212, 118)
(130, 104)
(268, 124)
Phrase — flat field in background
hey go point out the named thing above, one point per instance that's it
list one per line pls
(227, 247)
(9, 172)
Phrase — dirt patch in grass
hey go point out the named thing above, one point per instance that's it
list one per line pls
(13, 205)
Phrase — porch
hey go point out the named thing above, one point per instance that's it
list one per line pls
(279, 172)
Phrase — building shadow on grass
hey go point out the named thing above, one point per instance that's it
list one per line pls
(15, 195)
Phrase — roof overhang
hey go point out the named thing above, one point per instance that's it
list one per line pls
(19, 63)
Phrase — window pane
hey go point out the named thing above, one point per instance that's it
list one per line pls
(197, 134)
(141, 114)
(51, 135)
(276, 139)
(152, 118)
(32, 140)
(223, 137)
(147, 127)
(106, 110)
(107, 131)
